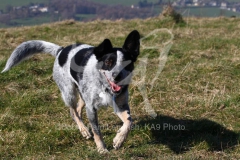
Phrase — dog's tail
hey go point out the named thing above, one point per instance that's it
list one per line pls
(29, 48)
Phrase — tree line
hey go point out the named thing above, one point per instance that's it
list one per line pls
(69, 9)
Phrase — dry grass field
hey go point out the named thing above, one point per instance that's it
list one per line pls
(196, 96)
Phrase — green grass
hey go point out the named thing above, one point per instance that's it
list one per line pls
(197, 92)
(32, 21)
(85, 16)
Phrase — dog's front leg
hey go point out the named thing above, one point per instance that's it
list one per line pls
(124, 114)
(92, 116)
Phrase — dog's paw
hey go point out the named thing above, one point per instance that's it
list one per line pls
(85, 132)
(102, 150)
(119, 139)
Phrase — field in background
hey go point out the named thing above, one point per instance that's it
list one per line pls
(33, 21)
(130, 2)
(197, 94)
(185, 11)
(123, 2)
(206, 12)
(233, 0)
(16, 3)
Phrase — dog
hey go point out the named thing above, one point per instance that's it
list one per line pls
(92, 77)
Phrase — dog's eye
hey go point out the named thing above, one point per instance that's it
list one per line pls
(108, 63)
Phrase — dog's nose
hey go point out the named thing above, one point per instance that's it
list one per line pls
(116, 76)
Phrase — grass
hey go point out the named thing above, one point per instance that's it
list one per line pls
(196, 97)
(32, 21)
(85, 16)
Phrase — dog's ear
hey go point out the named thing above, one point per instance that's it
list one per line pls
(102, 49)
(132, 45)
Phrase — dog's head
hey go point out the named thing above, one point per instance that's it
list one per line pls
(116, 64)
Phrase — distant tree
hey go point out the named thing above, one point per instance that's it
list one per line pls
(8, 8)
(144, 3)
(31, 4)
(42, 5)
(66, 14)
(5, 18)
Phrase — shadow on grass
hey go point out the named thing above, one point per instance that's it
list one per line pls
(180, 135)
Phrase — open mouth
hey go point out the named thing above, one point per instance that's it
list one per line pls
(115, 88)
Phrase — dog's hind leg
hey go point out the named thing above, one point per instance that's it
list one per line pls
(80, 106)
(70, 97)
(77, 116)
(76, 110)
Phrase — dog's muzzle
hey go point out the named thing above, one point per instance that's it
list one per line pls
(115, 88)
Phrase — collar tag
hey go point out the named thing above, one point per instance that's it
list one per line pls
(103, 93)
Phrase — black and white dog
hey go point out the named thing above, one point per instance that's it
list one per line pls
(92, 77)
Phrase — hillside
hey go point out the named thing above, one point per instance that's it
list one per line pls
(25, 13)
(196, 96)
(125, 2)
(15, 3)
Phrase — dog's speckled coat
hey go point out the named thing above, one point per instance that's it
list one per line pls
(98, 75)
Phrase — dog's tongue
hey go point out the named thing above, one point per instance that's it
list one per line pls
(115, 87)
